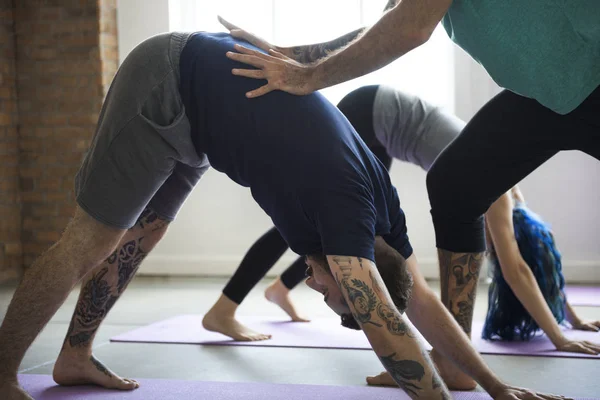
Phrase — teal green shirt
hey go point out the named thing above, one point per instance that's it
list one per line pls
(547, 50)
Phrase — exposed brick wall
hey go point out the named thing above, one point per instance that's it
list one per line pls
(10, 209)
(61, 85)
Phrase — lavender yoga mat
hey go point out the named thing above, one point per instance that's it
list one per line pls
(42, 387)
(326, 333)
(187, 329)
(583, 295)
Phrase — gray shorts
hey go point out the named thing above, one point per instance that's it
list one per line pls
(142, 153)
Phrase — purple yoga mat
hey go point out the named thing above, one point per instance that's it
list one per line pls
(539, 346)
(326, 333)
(187, 329)
(583, 295)
(42, 387)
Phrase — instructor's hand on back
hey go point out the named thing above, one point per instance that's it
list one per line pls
(279, 70)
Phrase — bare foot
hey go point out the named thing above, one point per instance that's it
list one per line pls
(455, 379)
(76, 370)
(11, 390)
(383, 379)
(225, 323)
(279, 294)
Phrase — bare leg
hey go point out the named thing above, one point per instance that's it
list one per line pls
(279, 294)
(45, 286)
(459, 275)
(101, 288)
(221, 318)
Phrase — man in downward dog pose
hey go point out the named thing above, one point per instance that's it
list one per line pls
(172, 105)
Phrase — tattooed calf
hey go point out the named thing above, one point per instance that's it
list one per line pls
(128, 257)
(95, 302)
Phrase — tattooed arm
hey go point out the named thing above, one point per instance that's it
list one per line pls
(400, 352)
(304, 54)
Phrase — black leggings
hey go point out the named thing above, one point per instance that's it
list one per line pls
(504, 142)
(357, 106)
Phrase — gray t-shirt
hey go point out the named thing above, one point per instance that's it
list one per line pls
(411, 129)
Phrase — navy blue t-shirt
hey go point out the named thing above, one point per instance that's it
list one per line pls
(303, 161)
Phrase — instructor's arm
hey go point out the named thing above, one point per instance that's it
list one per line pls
(405, 27)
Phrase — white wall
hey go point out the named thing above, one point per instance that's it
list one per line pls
(220, 220)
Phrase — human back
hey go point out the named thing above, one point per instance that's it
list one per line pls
(299, 155)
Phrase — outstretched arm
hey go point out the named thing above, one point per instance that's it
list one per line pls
(406, 26)
(310, 53)
(521, 280)
(305, 54)
(392, 339)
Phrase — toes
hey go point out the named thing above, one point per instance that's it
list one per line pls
(126, 384)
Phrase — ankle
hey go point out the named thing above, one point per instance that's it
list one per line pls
(8, 376)
(278, 287)
(224, 307)
(75, 354)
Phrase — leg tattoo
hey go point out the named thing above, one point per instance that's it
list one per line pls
(459, 274)
(107, 282)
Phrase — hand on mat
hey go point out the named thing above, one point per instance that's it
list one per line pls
(515, 393)
(582, 346)
(10, 390)
(593, 326)
(280, 71)
(240, 33)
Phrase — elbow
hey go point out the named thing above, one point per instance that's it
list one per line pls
(516, 273)
(421, 37)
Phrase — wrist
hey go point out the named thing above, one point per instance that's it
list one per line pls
(314, 76)
(559, 341)
(495, 389)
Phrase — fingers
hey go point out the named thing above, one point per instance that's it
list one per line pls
(590, 327)
(596, 324)
(585, 349)
(250, 73)
(277, 54)
(226, 23)
(261, 91)
(593, 346)
(253, 60)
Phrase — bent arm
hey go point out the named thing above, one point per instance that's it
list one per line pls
(441, 330)
(515, 270)
(405, 27)
(308, 54)
(393, 341)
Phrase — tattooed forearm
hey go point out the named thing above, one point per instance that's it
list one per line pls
(392, 320)
(375, 283)
(459, 273)
(311, 53)
(362, 299)
(406, 373)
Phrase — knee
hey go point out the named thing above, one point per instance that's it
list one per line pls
(154, 232)
(86, 242)
(437, 187)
